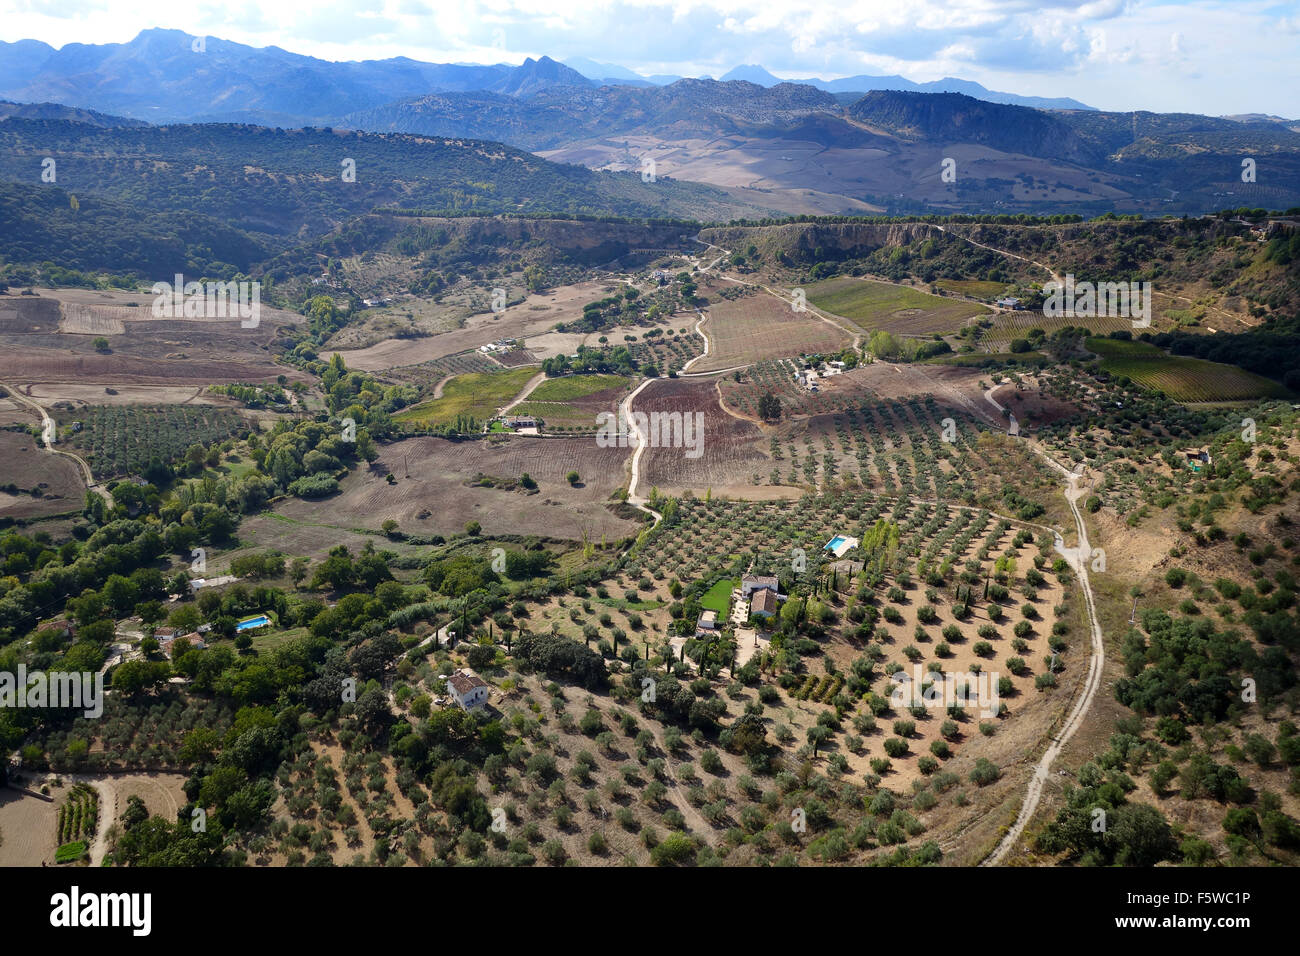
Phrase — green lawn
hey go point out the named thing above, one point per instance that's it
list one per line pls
(477, 394)
(718, 597)
(1182, 378)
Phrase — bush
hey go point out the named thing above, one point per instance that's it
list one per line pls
(677, 849)
(985, 772)
(895, 747)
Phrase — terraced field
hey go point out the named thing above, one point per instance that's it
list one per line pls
(1181, 378)
(875, 305)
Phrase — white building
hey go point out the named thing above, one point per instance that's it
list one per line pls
(467, 689)
(753, 582)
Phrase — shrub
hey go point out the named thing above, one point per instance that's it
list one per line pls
(985, 772)
(895, 747)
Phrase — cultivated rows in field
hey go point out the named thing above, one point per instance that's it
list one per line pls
(761, 327)
(707, 536)
(475, 395)
(430, 373)
(1182, 378)
(954, 590)
(1015, 325)
(881, 305)
(665, 353)
(123, 439)
(896, 447)
(139, 736)
(78, 817)
(725, 451)
(574, 403)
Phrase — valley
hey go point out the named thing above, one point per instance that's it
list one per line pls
(612, 472)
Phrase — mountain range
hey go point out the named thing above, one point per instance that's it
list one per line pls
(171, 76)
(756, 145)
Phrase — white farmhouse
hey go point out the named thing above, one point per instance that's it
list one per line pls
(467, 689)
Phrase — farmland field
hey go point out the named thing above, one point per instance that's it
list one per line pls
(978, 288)
(729, 449)
(478, 395)
(756, 327)
(25, 467)
(570, 387)
(1182, 378)
(122, 439)
(1014, 325)
(894, 308)
(431, 472)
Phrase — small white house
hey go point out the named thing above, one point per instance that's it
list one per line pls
(467, 689)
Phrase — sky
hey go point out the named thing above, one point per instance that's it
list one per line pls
(1201, 56)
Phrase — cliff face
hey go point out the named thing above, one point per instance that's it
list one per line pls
(805, 242)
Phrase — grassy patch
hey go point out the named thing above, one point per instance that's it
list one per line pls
(718, 597)
(70, 852)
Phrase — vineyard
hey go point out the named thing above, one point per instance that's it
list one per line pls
(428, 374)
(1016, 325)
(121, 440)
(894, 308)
(1181, 378)
(77, 820)
(763, 327)
(478, 395)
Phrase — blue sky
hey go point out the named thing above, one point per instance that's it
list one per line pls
(1204, 56)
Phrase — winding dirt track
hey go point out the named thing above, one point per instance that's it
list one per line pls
(48, 437)
(1078, 561)
(635, 500)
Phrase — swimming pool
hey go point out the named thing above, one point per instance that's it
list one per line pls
(253, 622)
(835, 542)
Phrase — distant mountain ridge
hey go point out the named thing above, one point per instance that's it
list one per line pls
(171, 76)
(867, 83)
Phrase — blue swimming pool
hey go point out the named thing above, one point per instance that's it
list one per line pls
(253, 622)
(835, 542)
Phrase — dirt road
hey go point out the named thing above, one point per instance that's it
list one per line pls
(1078, 560)
(49, 436)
